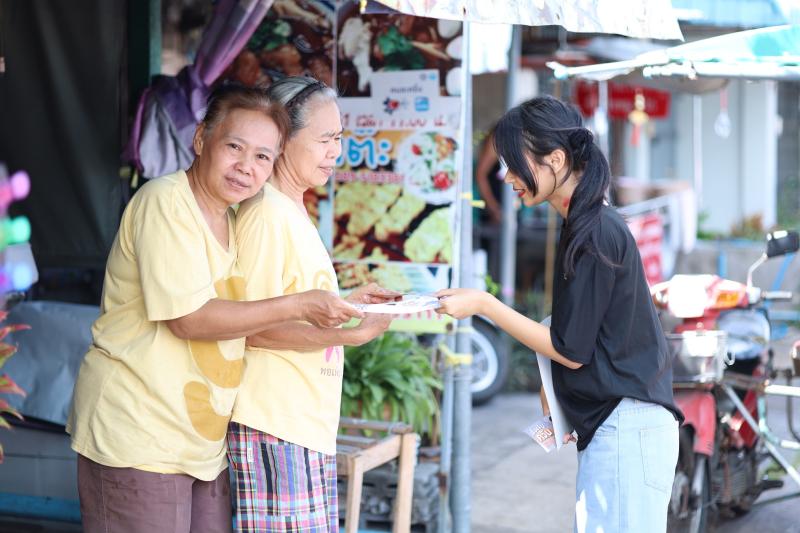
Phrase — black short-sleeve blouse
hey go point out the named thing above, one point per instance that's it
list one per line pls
(604, 318)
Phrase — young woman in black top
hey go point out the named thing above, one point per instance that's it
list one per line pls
(613, 376)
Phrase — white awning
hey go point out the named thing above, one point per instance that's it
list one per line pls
(766, 53)
(642, 19)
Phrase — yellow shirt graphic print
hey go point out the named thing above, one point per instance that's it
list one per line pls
(289, 394)
(223, 372)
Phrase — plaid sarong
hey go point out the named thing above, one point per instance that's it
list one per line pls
(281, 487)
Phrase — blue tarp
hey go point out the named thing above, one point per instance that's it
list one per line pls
(50, 353)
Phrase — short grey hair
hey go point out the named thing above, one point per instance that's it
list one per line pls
(298, 94)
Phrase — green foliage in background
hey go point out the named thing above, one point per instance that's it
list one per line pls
(391, 375)
(492, 287)
(523, 372)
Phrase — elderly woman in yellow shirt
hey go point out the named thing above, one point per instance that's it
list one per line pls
(282, 438)
(156, 389)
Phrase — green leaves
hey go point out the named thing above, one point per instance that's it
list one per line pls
(398, 52)
(269, 35)
(392, 377)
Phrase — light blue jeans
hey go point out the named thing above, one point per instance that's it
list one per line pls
(625, 473)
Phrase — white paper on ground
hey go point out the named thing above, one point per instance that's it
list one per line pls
(411, 303)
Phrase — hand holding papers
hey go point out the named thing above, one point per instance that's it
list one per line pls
(410, 303)
(542, 432)
(560, 424)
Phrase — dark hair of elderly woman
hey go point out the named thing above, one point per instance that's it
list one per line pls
(287, 414)
(156, 389)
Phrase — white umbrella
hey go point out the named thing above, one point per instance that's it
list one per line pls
(771, 53)
(643, 19)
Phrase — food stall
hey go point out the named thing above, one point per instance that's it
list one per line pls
(398, 209)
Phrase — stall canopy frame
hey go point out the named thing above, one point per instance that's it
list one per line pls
(652, 19)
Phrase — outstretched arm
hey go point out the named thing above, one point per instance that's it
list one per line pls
(461, 303)
(305, 337)
(220, 319)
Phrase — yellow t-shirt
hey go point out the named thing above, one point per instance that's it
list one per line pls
(292, 395)
(145, 398)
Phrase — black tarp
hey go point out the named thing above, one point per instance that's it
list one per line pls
(60, 120)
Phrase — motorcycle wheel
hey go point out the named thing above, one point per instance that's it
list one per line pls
(697, 520)
(745, 503)
(489, 362)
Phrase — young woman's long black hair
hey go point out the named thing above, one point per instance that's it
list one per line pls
(535, 129)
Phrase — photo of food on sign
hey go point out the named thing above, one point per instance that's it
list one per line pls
(317, 202)
(392, 198)
(426, 160)
(294, 39)
(374, 43)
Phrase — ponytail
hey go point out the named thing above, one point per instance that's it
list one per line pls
(535, 129)
(586, 204)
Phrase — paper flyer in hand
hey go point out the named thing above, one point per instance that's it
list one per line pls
(542, 432)
(411, 303)
(561, 425)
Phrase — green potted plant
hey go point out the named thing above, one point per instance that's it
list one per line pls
(392, 378)
(7, 385)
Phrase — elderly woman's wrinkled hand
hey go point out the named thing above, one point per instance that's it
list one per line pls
(373, 294)
(325, 309)
(373, 325)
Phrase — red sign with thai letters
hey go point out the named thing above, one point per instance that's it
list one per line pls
(648, 230)
(621, 100)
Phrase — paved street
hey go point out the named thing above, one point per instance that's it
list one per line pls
(518, 488)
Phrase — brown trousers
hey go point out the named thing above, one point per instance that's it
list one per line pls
(127, 500)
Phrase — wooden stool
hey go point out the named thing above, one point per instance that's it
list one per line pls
(355, 454)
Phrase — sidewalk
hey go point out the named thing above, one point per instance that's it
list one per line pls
(516, 486)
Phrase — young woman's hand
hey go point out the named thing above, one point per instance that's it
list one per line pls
(372, 294)
(461, 303)
(568, 437)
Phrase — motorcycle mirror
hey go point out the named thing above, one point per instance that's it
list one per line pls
(782, 242)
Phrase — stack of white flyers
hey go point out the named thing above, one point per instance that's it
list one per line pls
(561, 425)
(410, 303)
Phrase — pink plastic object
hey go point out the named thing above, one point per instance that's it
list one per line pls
(6, 196)
(20, 185)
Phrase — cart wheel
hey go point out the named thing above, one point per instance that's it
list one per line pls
(489, 362)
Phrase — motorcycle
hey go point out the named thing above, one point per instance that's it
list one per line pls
(490, 361)
(719, 340)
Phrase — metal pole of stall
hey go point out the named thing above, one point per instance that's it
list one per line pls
(447, 448)
(508, 229)
(697, 149)
(602, 110)
(462, 373)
